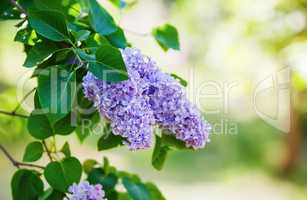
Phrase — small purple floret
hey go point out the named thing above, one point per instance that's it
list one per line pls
(85, 191)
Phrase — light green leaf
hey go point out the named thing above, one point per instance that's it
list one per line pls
(66, 150)
(33, 152)
(26, 185)
(81, 35)
(154, 192)
(183, 82)
(88, 165)
(50, 24)
(60, 175)
(101, 21)
(167, 37)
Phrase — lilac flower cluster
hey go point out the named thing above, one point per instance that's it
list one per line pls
(85, 191)
(149, 97)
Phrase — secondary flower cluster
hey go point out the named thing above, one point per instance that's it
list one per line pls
(149, 97)
(85, 191)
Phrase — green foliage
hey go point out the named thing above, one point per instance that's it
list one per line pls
(181, 80)
(26, 185)
(167, 37)
(137, 191)
(49, 24)
(108, 140)
(57, 90)
(101, 21)
(63, 40)
(39, 126)
(61, 174)
(109, 65)
(66, 150)
(33, 152)
(39, 53)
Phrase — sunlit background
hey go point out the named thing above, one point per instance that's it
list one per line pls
(246, 64)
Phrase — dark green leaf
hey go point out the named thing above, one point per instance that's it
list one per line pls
(50, 24)
(39, 126)
(181, 80)
(87, 125)
(109, 65)
(108, 140)
(26, 185)
(101, 21)
(154, 192)
(62, 174)
(56, 90)
(39, 53)
(26, 36)
(33, 152)
(137, 191)
(66, 150)
(167, 37)
(118, 39)
(51, 194)
(64, 126)
(159, 154)
(97, 176)
(7, 11)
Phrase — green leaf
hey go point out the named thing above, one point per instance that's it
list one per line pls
(39, 53)
(50, 24)
(119, 3)
(60, 175)
(137, 191)
(183, 82)
(123, 196)
(88, 165)
(87, 125)
(81, 35)
(97, 176)
(26, 36)
(108, 140)
(167, 37)
(159, 154)
(64, 126)
(171, 141)
(39, 126)
(109, 65)
(56, 91)
(7, 11)
(51, 194)
(101, 21)
(26, 185)
(33, 152)
(118, 39)
(66, 150)
(154, 192)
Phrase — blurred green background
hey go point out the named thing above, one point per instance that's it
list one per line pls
(229, 49)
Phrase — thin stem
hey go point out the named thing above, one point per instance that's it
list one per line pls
(23, 99)
(13, 114)
(136, 33)
(17, 163)
(47, 150)
(21, 9)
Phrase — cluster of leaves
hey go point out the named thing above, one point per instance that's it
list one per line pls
(63, 40)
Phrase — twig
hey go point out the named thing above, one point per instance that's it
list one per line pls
(22, 100)
(21, 9)
(47, 150)
(13, 114)
(17, 163)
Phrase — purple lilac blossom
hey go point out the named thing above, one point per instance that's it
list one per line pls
(150, 97)
(85, 191)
